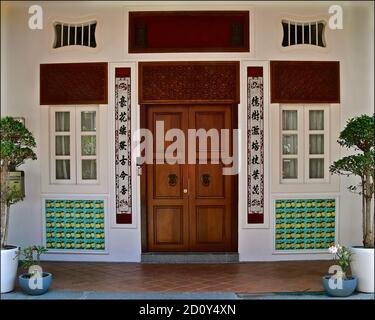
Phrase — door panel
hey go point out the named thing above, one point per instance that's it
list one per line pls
(209, 182)
(211, 192)
(167, 205)
(210, 224)
(168, 225)
(190, 206)
(207, 119)
(171, 119)
(168, 181)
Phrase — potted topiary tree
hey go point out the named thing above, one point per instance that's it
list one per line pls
(16, 147)
(359, 135)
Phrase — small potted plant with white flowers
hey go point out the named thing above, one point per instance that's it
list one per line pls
(340, 284)
(35, 281)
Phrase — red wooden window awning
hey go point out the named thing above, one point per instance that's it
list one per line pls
(305, 82)
(73, 83)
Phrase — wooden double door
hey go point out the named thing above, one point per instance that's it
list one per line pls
(190, 206)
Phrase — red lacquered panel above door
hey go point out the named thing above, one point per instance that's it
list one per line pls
(188, 31)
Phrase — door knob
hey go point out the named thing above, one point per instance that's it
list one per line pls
(206, 179)
(185, 190)
(172, 180)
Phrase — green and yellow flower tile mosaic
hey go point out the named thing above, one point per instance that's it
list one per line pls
(304, 224)
(75, 224)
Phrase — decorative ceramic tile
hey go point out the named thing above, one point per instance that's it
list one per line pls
(75, 224)
(123, 146)
(305, 224)
(255, 142)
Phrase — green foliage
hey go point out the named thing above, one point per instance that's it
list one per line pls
(359, 133)
(32, 256)
(358, 164)
(16, 143)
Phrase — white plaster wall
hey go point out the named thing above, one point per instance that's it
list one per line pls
(22, 50)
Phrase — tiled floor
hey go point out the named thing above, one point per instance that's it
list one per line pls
(255, 277)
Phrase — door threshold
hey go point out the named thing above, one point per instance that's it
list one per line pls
(190, 257)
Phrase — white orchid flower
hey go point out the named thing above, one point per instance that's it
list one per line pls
(332, 250)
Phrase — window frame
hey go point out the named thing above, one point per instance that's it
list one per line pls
(72, 150)
(74, 26)
(298, 22)
(303, 146)
(79, 134)
(74, 21)
(326, 146)
(298, 19)
(299, 133)
(75, 156)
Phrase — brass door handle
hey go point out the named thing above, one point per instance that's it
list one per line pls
(206, 179)
(185, 190)
(172, 179)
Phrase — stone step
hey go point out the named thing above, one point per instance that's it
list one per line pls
(191, 257)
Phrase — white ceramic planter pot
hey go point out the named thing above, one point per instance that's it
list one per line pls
(362, 266)
(9, 264)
